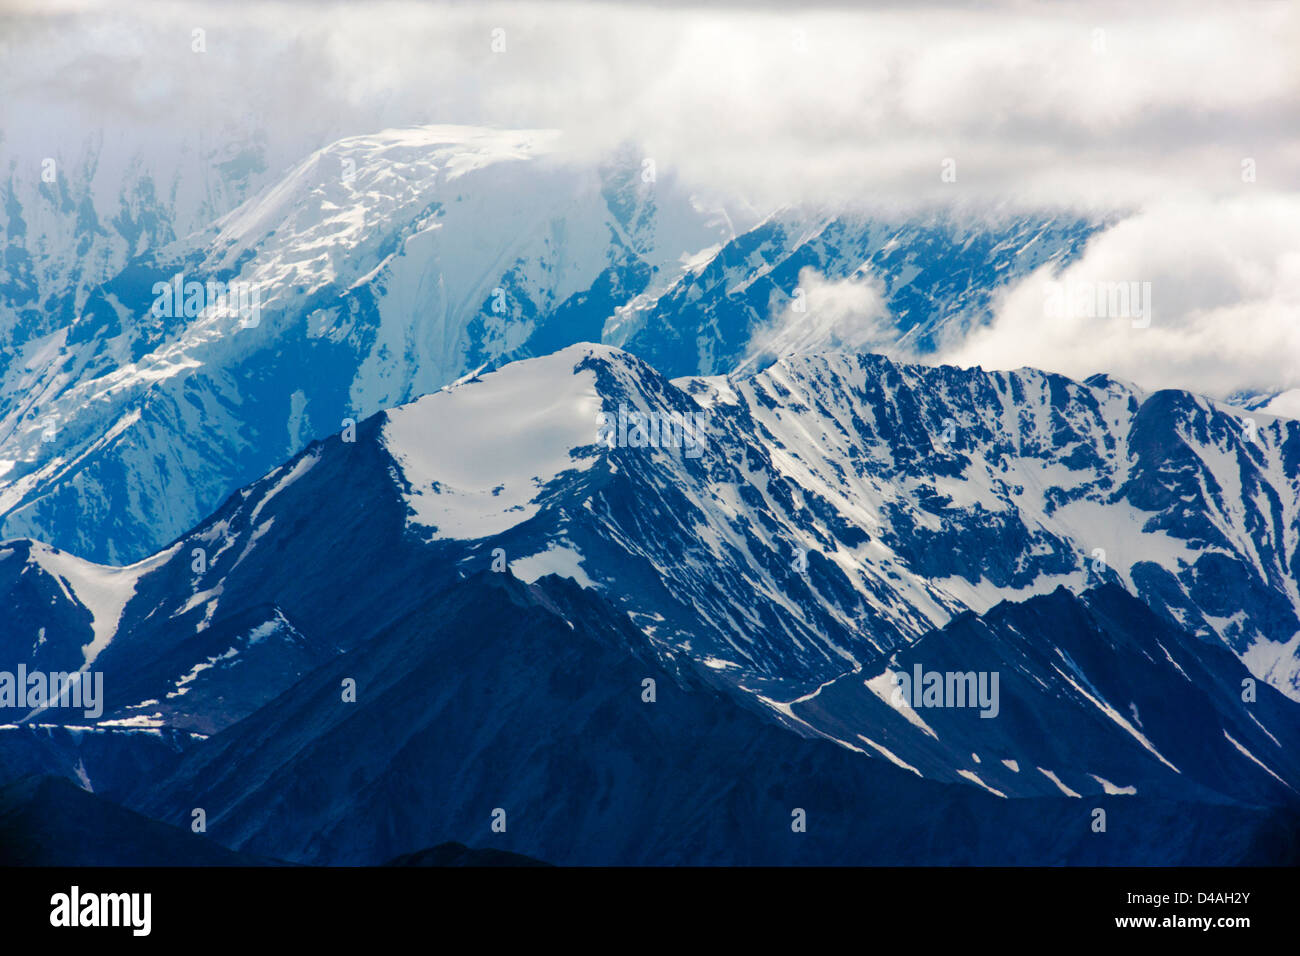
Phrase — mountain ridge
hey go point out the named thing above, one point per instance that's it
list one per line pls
(692, 556)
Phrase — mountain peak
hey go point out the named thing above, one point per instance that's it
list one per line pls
(475, 456)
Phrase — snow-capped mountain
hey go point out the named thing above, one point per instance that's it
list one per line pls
(937, 278)
(381, 268)
(911, 493)
(73, 218)
(835, 521)
(983, 486)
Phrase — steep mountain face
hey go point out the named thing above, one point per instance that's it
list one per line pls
(938, 278)
(1095, 694)
(991, 485)
(74, 219)
(820, 528)
(382, 267)
(841, 504)
(226, 618)
(378, 269)
(528, 706)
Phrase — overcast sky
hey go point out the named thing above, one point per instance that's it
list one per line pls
(1144, 111)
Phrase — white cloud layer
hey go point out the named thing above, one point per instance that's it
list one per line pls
(1223, 314)
(1096, 104)
(847, 314)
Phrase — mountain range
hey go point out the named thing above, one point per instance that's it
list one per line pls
(385, 267)
(529, 512)
(499, 583)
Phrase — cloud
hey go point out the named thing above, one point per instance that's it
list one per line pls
(1223, 280)
(845, 314)
(1091, 105)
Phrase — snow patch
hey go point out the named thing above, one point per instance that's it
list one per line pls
(476, 457)
(560, 560)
